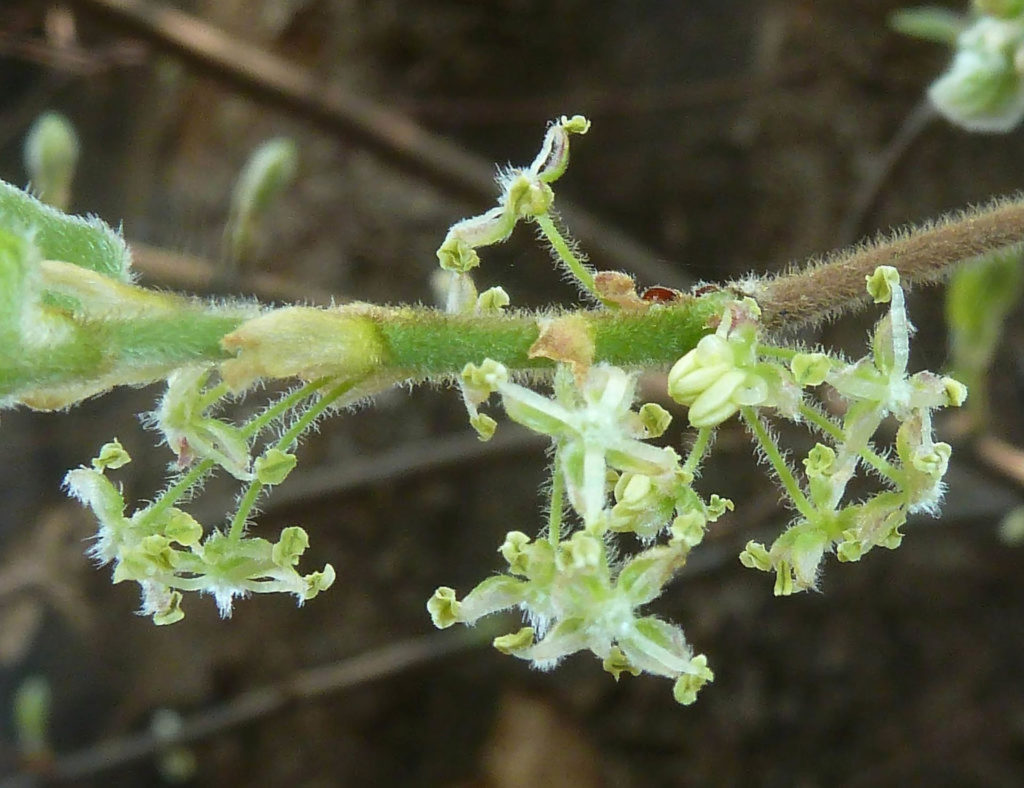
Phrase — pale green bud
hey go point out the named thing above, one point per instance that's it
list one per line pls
(112, 455)
(617, 663)
(689, 684)
(181, 527)
(274, 466)
(655, 419)
(526, 198)
(483, 380)
(269, 171)
(514, 642)
(755, 556)
(644, 577)
(171, 613)
(444, 608)
(810, 369)
(514, 551)
(492, 300)
(932, 460)
(956, 392)
(882, 282)
(717, 506)
(581, 551)
(688, 528)
(289, 548)
(319, 581)
(820, 461)
(484, 425)
(51, 156)
(455, 254)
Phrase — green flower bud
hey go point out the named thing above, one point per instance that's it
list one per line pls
(689, 684)
(617, 663)
(514, 642)
(880, 284)
(112, 455)
(492, 300)
(655, 419)
(289, 548)
(182, 528)
(514, 551)
(274, 466)
(444, 608)
(484, 425)
(810, 369)
(171, 613)
(755, 556)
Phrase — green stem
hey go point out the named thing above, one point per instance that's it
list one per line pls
(258, 423)
(699, 448)
(171, 496)
(778, 463)
(875, 460)
(555, 507)
(565, 253)
(286, 442)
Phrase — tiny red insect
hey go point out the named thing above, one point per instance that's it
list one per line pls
(660, 294)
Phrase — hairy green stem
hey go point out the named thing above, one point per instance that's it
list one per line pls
(555, 508)
(565, 254)
(286, 443)
(872, 458)
(778, 463)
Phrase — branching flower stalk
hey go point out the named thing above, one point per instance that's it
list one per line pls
(623, 512)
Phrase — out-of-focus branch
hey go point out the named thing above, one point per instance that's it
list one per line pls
(270, 78)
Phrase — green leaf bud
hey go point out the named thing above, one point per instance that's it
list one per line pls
(51, 156)
(269, 171)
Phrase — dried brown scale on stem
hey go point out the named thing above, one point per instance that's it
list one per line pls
(827, 288)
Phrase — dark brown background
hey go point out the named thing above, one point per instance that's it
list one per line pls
(728, 136)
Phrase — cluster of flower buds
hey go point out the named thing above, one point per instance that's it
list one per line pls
(577, 588)
(164, 550)
(723, 373)
(525, 193)
(873, 388)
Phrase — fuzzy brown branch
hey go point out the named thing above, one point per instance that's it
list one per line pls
(826, 288)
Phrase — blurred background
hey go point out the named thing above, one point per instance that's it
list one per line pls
(728, 136)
